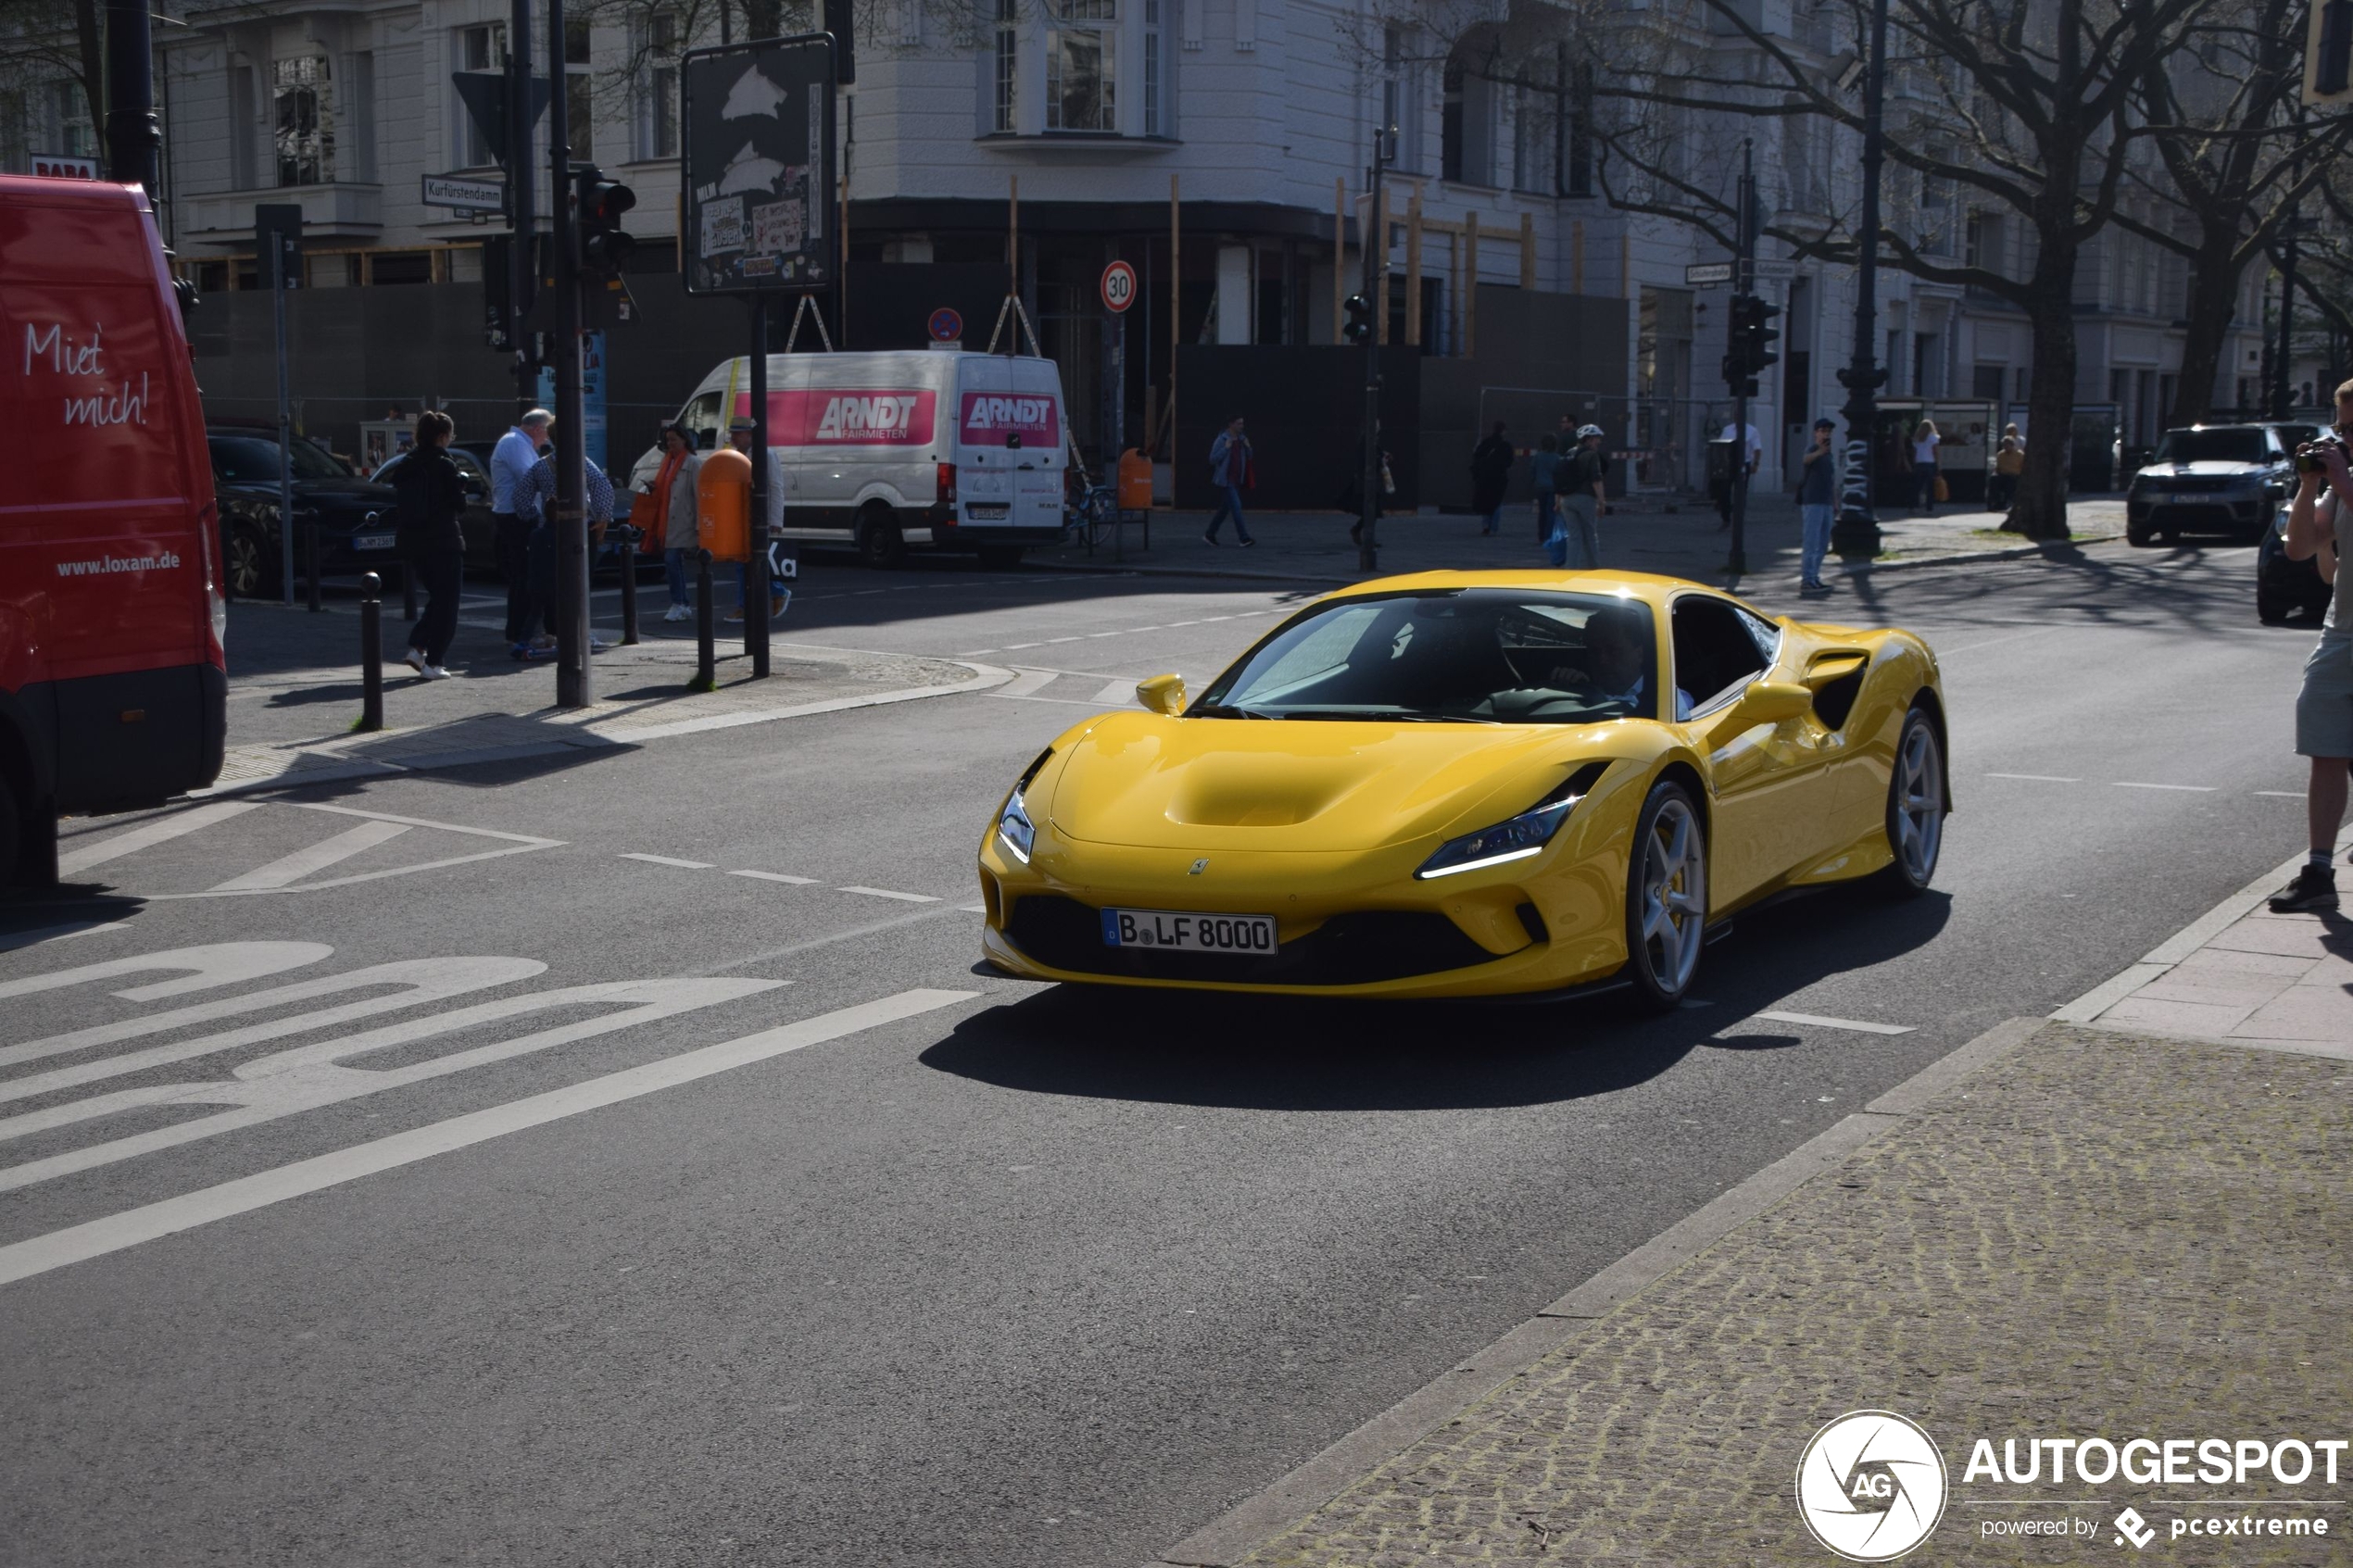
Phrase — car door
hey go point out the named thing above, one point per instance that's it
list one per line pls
(1772, 783)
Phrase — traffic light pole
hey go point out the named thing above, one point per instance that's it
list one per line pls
(574, 685)
(520, 276)
(1744, 272)
(1856, 534)
(756, 588)
(1375, 254)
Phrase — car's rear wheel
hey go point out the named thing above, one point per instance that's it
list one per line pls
(1666, 898)
(246, 569)
(880, 544)
(1915, 806)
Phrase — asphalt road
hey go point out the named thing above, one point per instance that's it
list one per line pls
(965, 1270)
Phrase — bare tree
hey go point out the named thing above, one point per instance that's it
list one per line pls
(41, 42)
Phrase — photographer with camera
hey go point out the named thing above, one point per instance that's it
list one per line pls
(2319, 528)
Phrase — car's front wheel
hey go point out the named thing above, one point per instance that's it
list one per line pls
(1915, 806)
(1666, 898)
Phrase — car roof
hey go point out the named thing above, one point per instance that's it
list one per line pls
(1649, 587)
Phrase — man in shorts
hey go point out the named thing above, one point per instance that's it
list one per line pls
(2319, 528)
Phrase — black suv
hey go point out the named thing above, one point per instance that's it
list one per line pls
(2210, 479)
(354, 516)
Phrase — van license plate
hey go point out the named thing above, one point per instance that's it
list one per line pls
(986, 514)
(373, 541)
(1188, 932)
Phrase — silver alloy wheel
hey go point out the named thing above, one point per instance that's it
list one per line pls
(1920, 803)
(1674, 895)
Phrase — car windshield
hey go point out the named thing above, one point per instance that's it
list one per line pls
(244, 459)
(1459, 655)
(2213, 446)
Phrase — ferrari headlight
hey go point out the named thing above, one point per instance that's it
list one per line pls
(1518, 838)
(1015, 830)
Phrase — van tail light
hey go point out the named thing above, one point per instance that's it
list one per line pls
(216, 603)
(946, 491)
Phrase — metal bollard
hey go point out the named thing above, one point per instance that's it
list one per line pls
(311, 555)
(706, 659)
(628, 537)
(372, 654)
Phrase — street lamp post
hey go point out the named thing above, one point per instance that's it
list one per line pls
(1376, 255)
(1856, 535)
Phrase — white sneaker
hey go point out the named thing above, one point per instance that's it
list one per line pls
(598, 645)
(680, 612)
(433, 671)
(415, 660)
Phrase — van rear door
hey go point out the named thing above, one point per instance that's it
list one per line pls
(1009, 443)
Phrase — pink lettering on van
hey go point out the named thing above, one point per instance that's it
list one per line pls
(988, 417)
(849, 418)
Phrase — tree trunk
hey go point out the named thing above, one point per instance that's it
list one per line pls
(2040, 510)
(2213, 299)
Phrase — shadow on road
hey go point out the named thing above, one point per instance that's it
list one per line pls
(1284, 1053)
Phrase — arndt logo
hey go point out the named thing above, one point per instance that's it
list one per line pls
(851, 417)
(988, 417)
(1870, 1486)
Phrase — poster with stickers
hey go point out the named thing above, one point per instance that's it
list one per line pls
(759, 166)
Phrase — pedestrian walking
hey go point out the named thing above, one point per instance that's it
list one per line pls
(674, 493)
(2010, 461)
(1352, 493)
(1747, 445)
(432, 500)
(539, 486)
(510, 464)
(1541, 470)
(739, 434)
(1924, 444)
(1490, 465)
(1816, 504)
(2320, 529)
(1581, 483)
(1230, 457)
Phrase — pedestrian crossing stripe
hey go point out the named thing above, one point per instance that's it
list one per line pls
(300, 870)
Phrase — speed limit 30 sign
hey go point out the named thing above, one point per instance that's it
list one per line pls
(1119, 287)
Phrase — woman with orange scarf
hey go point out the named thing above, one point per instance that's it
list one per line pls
(673, 496)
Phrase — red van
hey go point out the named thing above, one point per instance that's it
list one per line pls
(113, 687)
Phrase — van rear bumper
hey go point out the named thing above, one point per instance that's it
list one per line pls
(133, 738)
(948, 536)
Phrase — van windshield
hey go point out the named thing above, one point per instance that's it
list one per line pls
(249, 458)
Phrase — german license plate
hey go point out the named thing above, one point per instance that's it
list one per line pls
(1188, 932)
(981, 513)
(373, 541)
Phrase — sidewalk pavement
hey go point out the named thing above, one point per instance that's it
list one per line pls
(294, 692)
(1639, 534)
(2068, 1229)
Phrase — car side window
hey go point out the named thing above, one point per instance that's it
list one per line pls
(1719, 649)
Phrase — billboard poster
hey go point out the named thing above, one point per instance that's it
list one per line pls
(592, 397)
(759, 166)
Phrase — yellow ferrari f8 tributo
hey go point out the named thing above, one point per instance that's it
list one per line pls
(1469, 785)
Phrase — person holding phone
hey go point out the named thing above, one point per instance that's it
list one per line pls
(1816, 504)
(2320, 529)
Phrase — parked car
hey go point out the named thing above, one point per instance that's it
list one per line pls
(354, 516)
(2284, 587)
(2210, 479)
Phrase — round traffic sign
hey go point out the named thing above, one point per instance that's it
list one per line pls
(946, 326)
(1119, 287)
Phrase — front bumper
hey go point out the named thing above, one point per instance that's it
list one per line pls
(2222, 511)
(1346, 926)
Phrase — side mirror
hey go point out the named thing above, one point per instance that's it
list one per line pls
(1769, 702)
(1163, 694)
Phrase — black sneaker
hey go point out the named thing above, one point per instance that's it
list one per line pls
(2313, 889)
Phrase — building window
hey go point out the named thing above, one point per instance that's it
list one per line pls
(1008, 64)
(1081, 62)
(1151, 68)
(70, 131)
(303, 116)
(480, 49)
(656, 116)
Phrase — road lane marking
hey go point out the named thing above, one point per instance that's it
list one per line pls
(1026, 682)
(1016, 647)
(308, 1077)
(2283, 794)
(148, 835)
(1116, 693)
(213, 964)
(886, 893)
(532, 840)
(777, 876)
(36, 938)
(971, 908)
(1857, 1025)
(2188, 789)
(2035, 778)
(668, 860)
(289, 869)
(95, 1238)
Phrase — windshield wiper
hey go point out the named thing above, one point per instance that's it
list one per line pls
(1222, 710)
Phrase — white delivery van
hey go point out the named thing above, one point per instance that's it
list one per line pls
(888, 449)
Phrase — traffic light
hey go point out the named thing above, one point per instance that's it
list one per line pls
(2332, 46)
(604, 244)
(1753, 336)
(1360, 317)
(1738, 375)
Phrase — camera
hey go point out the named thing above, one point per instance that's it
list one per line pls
(2308, 457)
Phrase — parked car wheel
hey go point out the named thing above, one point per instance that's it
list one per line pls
(880, 544)
(1666, 899)
(2139, 538)
(2271, 610)
(247, 568)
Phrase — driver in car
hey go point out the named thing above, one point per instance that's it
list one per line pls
(1613, 659)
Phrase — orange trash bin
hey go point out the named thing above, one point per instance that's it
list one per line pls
(723, 496)
(1135, 482)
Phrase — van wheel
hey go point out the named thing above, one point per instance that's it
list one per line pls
(999, 557)
(246, 569)
(880, 544)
